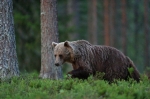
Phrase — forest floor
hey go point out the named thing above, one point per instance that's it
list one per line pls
(29, 86)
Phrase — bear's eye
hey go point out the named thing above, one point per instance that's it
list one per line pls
(60, 56)
(55, 55)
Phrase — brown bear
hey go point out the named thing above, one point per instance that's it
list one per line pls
(88, 59)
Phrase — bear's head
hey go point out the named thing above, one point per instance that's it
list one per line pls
(64, 52)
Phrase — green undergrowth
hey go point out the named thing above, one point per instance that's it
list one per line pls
(29, 86)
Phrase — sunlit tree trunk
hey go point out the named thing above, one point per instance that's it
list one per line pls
(106, 23)
(8, 55)
(146, 46)
(49, 33)
(124, 26)
(92, 21)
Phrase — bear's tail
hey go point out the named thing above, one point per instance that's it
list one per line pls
(134, 74)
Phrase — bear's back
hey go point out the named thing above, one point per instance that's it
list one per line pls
(108, 59)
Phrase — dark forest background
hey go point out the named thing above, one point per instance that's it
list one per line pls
(124, 24)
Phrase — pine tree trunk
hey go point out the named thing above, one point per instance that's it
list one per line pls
(92, 21)
(112, 22)
(124, 20)
(8, 55)
(72, 11)
(49, 33)
(146, 46)
(136, 29)
(106, 22)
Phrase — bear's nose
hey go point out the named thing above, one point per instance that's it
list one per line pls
(57, 64)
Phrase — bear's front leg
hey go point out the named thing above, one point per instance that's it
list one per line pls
(80, 73)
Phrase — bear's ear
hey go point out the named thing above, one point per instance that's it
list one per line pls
(66, 44)
(54, 44)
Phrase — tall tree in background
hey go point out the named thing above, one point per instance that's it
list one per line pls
(27, 30)
(8, 55)
(106, 23)
(112, 22)
(136, 29)
(72, 11)
(49, 33)
(124, 25)
(146, 46)
(92, 21)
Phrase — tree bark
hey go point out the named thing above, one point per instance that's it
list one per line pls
(106, 22)
(124, 25)
(146, 46)
(8, 55)
(92, 21)
(49, 33)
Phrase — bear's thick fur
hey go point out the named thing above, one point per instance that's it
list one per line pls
(88, 59)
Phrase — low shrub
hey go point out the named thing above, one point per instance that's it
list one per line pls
(29, 86)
